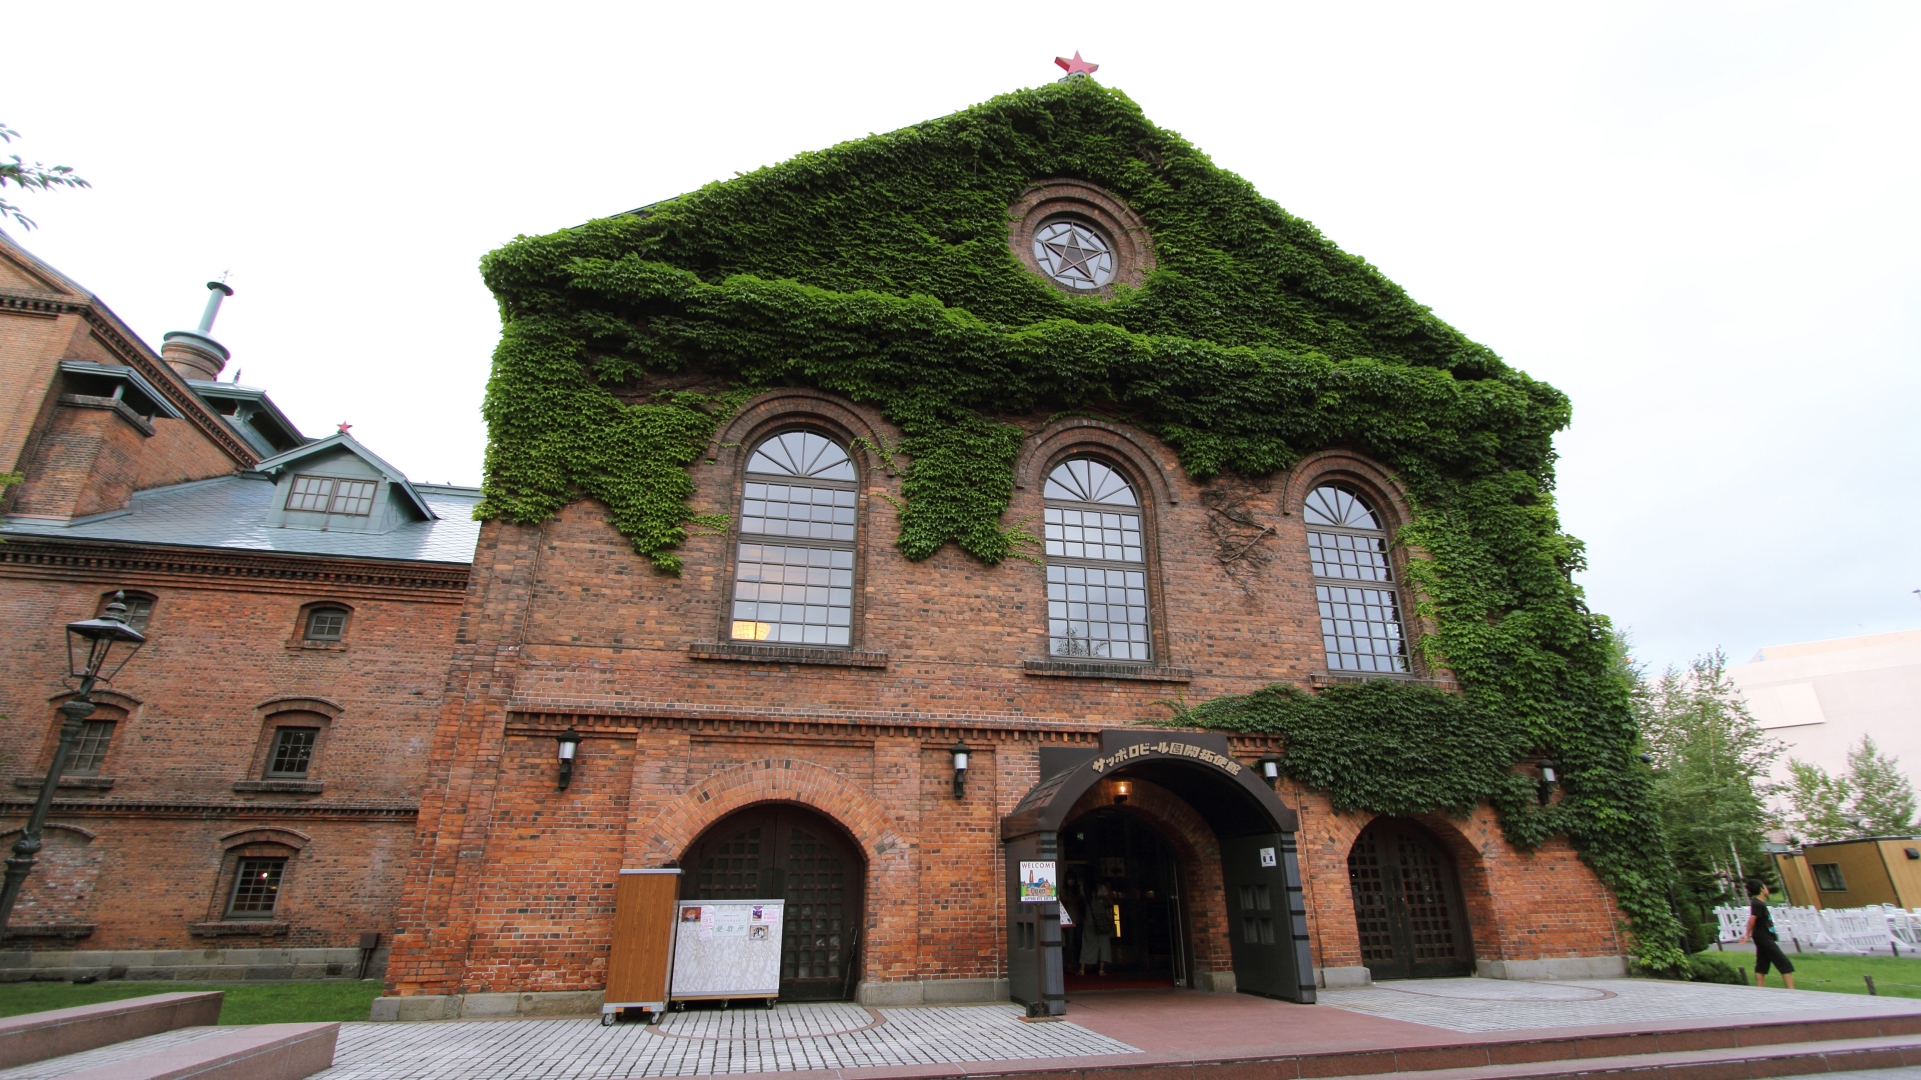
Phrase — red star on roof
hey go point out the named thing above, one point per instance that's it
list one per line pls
(1077, 66)
(344, 426)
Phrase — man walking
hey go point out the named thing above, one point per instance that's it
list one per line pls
(1767, 948)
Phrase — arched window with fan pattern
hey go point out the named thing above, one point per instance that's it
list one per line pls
(1354, 583)
(1096, 564)
(794, 578)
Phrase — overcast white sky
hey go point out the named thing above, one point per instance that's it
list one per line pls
(1699, 220)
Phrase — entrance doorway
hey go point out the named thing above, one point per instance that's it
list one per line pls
(1407, 904)
(790, 853)
(1121, 884)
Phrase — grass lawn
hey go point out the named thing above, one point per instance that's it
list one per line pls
(246, 1003)
(1841, 974)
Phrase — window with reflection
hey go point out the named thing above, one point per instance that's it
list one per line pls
(794, 579)
(1354, 583)
(139, 607)
(1096, 564)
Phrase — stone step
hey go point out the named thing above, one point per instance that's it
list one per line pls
(1739, 1063)
(58, 1032)
(1742, 1051)
(260, 1052)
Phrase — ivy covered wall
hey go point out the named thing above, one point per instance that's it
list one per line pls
(880, 270)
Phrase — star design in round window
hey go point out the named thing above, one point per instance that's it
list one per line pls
(1074, 255)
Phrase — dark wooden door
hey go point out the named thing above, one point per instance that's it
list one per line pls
(1407, 904)
(1260, 924)
(792, 854)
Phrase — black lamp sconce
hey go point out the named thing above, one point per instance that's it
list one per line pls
(569, 741)
(1122, 789)
(1549, 778)
(1270, 770)
(960, 752)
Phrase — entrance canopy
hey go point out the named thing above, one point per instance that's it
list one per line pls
(1198, 766)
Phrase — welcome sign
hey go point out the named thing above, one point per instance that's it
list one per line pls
(1169, 750)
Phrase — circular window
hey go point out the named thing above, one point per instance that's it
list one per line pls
(1075, 255)
(1079, 237)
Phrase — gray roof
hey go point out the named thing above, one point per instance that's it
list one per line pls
(231, 512)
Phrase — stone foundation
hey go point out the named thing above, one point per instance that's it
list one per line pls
(197, 965)
(931, 992)
(487, 1006)
(1566, 967)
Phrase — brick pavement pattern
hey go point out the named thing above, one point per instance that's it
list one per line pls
(1475, 1005)
(784, 1039)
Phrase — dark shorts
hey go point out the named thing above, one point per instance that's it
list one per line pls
(1768, 953)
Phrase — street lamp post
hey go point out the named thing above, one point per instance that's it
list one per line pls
(84, 663)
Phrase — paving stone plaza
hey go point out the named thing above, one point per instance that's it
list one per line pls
(801, 1037)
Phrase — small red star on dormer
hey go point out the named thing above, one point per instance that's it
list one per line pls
(1077, 66)
(344, 426)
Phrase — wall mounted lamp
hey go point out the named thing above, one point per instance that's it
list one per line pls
(1548, 779)
(1122, 789)
(960, 752)
(569, 741)
(1270, 769)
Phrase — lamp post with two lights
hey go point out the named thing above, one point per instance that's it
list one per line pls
(90, 645)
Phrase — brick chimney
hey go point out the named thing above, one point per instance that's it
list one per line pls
(192, 353)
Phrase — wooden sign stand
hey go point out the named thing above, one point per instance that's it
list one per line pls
(640, 963)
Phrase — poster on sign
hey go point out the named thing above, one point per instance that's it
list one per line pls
(727, 949)
(1039, 883)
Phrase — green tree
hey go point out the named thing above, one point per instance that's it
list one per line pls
(34, 177)
(1883, 798)
(1817, 803)
(1711, 763)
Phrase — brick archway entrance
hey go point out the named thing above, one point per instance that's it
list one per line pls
(1193, 777)
(782, 851)
(1407, 903)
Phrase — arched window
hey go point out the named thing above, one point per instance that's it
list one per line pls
(794, 579)
(1353, 583)
(1096, 568)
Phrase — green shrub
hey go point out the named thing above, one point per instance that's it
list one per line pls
(1709, 968)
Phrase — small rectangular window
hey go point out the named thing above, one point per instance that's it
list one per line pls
(311, 493)
(90, 750)
(292, 752)
(354, 497)
(256, 888)
(139, 610)
(1828, 877)
(326, 624)
(332, 495)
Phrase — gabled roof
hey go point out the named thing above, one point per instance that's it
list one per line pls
(142, 391)
(230, 512)
(344, 441)
(225, 391)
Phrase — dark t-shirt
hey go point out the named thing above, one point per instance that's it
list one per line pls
(1763, 921)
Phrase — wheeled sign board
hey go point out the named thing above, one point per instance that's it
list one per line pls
(641, 956)
(727, 949)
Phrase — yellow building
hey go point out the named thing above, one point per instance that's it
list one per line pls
(1852, 873)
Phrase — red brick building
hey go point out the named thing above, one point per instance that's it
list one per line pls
(784, 718)
(242, 802)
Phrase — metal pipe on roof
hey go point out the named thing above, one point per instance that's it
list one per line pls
(217, 291)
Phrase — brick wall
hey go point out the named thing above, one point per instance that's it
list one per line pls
(564, 626)
(221, 667)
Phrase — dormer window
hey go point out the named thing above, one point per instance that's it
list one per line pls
(332, 495)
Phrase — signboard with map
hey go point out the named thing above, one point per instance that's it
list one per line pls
(727, 949)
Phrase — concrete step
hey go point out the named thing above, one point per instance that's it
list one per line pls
(260, 1052)
(1498, 1052)
(59, 1032)
(1740, 1063)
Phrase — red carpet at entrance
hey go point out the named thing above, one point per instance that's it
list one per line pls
(1115, 982)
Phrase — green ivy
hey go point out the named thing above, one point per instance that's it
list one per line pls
(879, 270)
